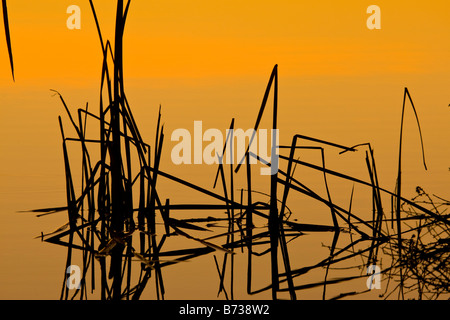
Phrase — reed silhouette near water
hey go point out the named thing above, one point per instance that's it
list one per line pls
(120, 222)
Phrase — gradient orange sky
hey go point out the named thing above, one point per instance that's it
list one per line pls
(210, 60)
(227, 38)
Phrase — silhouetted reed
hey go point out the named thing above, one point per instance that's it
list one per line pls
(7, 35)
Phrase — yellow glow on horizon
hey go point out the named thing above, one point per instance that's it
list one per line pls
(230, 38)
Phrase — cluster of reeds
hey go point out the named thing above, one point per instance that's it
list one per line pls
(424, 259)
(114, 221)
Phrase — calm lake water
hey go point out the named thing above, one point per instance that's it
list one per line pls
(32, 173)
(336, 83)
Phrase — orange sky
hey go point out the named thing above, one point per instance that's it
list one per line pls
(231, 38)
(198, 57)
(210, 60)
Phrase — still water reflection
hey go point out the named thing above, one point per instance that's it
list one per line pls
(33, 177)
